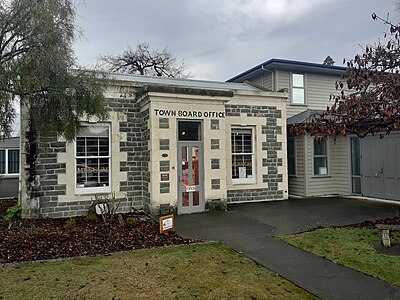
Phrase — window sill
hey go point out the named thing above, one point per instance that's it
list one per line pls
(235, 183)
(92, 191)
(8, 176)
(298, 104)
(321, 176)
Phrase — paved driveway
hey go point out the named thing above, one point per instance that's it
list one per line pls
(248, 228)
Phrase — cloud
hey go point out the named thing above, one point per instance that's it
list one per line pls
(219, 39)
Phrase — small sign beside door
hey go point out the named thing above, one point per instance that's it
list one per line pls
(164, 176)
(166, 223)
(190, 188)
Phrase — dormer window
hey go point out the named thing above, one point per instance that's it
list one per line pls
(298, 89)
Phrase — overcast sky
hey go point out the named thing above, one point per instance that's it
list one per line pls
(218, 39)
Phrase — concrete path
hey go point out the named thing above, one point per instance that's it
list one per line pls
(247, 228)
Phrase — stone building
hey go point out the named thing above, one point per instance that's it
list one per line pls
(169, 145)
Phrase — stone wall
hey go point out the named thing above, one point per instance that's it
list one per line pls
(46, 189)
(270, 146)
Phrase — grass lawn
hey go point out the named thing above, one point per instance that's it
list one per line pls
(351, 247)
(207, 271)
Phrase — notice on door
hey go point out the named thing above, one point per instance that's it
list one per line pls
(190, 188)
(166, 223)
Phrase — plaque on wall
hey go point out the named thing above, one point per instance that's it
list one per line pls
(164, 176)
(164, 155)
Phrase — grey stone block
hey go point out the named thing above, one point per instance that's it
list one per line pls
(215, 163)
(214, 144)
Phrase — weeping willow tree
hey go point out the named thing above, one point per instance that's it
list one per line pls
(39, 69)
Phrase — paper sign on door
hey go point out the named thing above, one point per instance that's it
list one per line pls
(190, 188)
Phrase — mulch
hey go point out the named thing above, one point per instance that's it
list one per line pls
(373, 223)
(30, 240)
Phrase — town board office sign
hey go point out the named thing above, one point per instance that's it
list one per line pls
(189, 113)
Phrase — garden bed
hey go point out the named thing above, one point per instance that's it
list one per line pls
(29, 240)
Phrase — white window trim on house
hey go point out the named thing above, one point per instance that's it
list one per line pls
(298, 87)
(292, 139)
(100, 189)
(326, 156)
(6, 165)
(250, 180)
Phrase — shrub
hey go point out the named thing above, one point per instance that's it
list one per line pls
(131, 221)
(13, 214)
(70, 224)
(91, 217)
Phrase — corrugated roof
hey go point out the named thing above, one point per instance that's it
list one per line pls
(192, 83)
(304, 117)
(285, 64)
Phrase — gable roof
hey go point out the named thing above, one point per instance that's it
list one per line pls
(289, 65)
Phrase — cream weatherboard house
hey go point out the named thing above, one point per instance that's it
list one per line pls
(169, 145)
(9, 167)
(368, 167)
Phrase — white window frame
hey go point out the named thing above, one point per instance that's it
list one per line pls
(292, 139)
(7, 174)
(253, 160)
(326, 156)
(298, 87)
(94, 190)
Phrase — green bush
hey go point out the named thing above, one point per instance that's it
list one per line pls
(70, 224)
(91, 217)
(132, 222)
(13, 214)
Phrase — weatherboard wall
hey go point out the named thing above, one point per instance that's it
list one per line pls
(337, 182)
(297, 181)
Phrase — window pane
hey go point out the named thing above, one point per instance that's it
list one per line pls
(292, 168)
(103, 147)
(13, 161)
(298, 95)
(189, 131)
(92, 146)
(242, 153)
(242, 166)
(356, 185)
(80, 146)
(93, 169)
(94, 131)
(2, 161)
(242, 141)
(319, 148)
(320, 166)
(298, 80)
(291, 157)
(355, 156)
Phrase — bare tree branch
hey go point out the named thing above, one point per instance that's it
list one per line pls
(144, 60)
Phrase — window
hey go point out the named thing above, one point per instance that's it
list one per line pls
(320, 158)
(298, 89)
(93, 159)
(242, 155)
(189, 131)
(291, 157)
(355, 165)
(9, 161)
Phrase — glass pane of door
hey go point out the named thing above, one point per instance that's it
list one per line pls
(195, 165)
(196, 198)
(185, 199)
(185, 166)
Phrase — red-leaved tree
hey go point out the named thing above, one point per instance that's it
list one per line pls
(368, 100)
